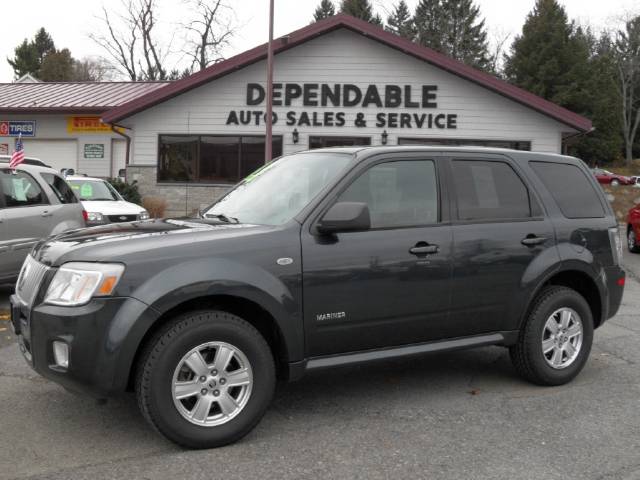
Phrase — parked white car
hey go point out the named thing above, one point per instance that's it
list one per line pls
(103, 203)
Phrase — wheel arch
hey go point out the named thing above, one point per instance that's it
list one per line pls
(247, 309)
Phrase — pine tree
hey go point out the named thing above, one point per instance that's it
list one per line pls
(400, 21)
(326, 9)
(360, 9)
(57, 66)
(542, 57)
(455, 28)
(29, 55)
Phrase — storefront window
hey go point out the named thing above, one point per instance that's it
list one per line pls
(211, 158)
(321, 142)
(514, 145)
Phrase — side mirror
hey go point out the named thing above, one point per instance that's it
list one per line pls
(345, 217)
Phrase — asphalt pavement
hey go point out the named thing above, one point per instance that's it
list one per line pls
(462, 415)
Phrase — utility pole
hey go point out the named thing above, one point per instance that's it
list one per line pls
(269, 121)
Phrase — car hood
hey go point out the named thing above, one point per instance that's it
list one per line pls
(121, 241)
(116, 207)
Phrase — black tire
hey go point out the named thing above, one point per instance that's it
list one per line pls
(632, 241)
(163, 353)
(527, 354)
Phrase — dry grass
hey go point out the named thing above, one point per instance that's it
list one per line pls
(156, 206)
(622, 198)
(622, 169)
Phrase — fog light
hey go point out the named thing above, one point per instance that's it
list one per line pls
(61, 354)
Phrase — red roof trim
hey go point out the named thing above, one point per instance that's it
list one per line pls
(364, 28)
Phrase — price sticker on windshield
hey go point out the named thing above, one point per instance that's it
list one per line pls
(86, 190)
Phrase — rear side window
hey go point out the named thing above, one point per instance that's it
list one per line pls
(60, 188)
(573, 192)
(489, 190)
(20, 189)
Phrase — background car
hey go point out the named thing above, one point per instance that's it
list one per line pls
(633, 229)
(35, 202)
(103, 203)
(606, 177)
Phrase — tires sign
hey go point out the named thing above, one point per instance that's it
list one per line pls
(14, 128)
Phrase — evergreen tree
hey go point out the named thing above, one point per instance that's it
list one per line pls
(400, 21)
(455, 28)
(326, 9)
(360, 9)
(542, 58)
(29, 55)
(57, 66)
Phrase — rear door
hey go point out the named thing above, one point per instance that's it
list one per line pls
(27, 215)
(499, 231)
(66, 211)
(372, 289)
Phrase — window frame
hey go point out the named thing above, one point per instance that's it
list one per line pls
(42, 190)
(199, 136)
(369, 137)
(332, 197)
(469, 142)
(535, 205)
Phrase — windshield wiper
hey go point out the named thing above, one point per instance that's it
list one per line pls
(222, 216)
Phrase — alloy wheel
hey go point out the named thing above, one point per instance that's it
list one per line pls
(562, 338)
(212, 384)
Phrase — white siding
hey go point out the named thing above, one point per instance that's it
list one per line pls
(344, 57)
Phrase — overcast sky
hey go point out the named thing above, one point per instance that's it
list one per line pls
(70, 21)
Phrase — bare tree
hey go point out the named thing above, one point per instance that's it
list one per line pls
(208, 33)
(131, 43)
(627, 55)
(92, 70)
(498, 43)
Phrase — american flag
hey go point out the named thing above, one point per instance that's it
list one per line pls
(18, 154)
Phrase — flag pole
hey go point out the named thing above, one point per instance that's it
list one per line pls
(269, 115)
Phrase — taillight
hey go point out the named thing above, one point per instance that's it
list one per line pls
(85, 215)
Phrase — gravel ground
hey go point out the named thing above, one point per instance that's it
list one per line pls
(452, 416)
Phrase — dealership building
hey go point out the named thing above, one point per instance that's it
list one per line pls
(340, 81)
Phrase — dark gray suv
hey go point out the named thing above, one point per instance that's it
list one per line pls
(35, 202)
(320, 259)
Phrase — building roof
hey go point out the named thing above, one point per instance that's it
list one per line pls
(70, 97)
(361, 27)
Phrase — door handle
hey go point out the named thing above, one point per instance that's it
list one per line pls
(46, 214)
(423, 248)
(532, 240)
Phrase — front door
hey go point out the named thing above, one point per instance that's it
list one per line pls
(27, 216)
(499, 231)
(389, 285)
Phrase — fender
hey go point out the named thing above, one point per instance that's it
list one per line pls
(204, 278)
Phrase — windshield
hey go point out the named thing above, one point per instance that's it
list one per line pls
(88, 190)
(275, 193)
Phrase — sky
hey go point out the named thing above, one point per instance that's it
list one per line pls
(71, 21)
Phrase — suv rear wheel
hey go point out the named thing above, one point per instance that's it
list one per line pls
(206, 379)
(632, 241)
(556, 339)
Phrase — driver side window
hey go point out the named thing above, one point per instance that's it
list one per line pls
(399, 194)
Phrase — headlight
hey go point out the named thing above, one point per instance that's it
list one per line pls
(75, 283)
(95, 217)
(144, 215)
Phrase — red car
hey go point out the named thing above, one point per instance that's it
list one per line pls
(633, 229)
(609, 178)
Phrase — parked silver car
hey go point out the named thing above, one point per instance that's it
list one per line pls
(35, 202)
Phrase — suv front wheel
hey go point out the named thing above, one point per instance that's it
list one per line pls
(205, 379)
(555, 341)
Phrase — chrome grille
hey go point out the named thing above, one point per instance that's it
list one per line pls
(122, 218)
(31, 276)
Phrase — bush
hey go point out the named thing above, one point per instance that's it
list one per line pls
(156, 206)
(129, 191)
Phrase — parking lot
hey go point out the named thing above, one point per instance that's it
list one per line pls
(455, 415)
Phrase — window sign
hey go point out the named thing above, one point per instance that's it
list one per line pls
(94, 150)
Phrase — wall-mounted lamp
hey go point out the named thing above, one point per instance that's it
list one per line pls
(296, 136)
(384, 137)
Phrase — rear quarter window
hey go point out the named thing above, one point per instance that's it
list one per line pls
(571, 189)
(60, 188)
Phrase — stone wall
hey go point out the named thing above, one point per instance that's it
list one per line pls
(182, 199)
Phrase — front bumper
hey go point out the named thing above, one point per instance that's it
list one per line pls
(97, 336)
